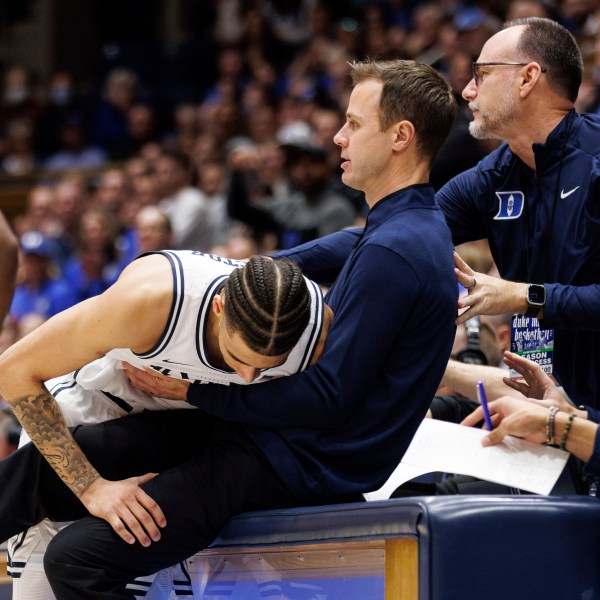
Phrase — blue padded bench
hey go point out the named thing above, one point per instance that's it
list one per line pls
(425, 548)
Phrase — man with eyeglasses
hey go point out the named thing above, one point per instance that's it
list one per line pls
(536, 198)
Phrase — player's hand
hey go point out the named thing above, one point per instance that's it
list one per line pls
(487, 295)
(126, 508)
(156, 384)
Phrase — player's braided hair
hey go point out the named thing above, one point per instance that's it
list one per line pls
(268, 302)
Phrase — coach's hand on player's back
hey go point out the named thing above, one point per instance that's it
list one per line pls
(126, 507)
(156, 384)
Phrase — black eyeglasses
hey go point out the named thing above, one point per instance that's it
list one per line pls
(477, 66)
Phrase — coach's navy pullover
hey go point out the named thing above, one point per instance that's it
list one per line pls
(342, 426)
(564, 249)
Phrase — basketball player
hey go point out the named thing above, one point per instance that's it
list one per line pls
(189, 315)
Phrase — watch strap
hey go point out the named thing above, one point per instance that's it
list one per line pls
(533, 311)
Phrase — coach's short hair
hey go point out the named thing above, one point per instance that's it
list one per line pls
(412, 92)
(555, 49)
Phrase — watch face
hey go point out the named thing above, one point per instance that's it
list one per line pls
(536, 295)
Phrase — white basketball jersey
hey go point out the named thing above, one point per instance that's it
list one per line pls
(181, 350)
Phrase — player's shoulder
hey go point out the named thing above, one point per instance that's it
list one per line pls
(147, 279)
(147, 266)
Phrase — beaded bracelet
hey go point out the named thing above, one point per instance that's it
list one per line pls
(563, 439)
(550, 425)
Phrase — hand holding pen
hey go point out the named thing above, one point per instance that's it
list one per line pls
(484, 405)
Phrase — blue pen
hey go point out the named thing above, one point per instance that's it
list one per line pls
(483, 401)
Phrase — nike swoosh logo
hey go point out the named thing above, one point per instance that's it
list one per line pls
(564, 194)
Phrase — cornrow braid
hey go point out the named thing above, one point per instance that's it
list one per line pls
(267, 301)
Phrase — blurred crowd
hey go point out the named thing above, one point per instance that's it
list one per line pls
(247, 167)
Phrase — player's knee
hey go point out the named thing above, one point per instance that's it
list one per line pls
(56, 559)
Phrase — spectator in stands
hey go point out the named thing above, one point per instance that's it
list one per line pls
(70, 196)
(254, 173)
(94, 266)
(211, 183)
(142, 127)
(17, 101)
(150, 153)
(421, 41)
(303, 204)
(62, 100)
(223, 119)
(37, 290)
(185, 129)
(501, 324)
(184, 204)
(313, 203)
(20, 158)
(125, 242)
(109, 128)
(205, 149)
(474, 25)
(153, 230)
(260, 46)
(113, 193)
(521, 9)
(262, 123)
(74, 152)
(144, 190)
(39, 212)
(135, 167)
(325, 123)
(112, 190)
(289, 23)
(242, 244)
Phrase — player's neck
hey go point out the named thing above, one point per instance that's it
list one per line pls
(212, 341)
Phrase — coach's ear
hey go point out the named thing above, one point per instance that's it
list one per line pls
(403, 134)
(218, 305)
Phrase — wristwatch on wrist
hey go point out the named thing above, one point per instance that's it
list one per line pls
(536, 298)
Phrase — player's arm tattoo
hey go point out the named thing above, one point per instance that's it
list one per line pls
(42, 419)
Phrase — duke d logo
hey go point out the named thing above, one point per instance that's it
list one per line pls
(511, 205)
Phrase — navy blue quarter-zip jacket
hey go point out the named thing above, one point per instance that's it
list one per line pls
(342, 426)
(544, 227)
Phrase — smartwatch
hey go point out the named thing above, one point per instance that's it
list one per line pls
(536, 298)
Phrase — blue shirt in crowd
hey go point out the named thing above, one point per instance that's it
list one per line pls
(52, 297)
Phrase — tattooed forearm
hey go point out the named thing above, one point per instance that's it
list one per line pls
(42, 419)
